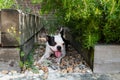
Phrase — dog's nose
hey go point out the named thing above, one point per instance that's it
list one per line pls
(59, 48)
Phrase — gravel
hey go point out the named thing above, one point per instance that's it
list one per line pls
(56, 75)
(77, 71)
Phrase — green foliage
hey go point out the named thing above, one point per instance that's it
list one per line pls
(6, 4)
(91, 21)
(50, 23)
(13, 5)
(22, 54)
(28, 63)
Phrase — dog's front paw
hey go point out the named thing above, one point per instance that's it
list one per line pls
(58, 60)
(40, 61)
(37, 64)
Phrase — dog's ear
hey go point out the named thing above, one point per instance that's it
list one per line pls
(62, 32)
(51, 40)
(47, 37)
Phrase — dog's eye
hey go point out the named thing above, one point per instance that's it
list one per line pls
(63, 44)
(53, 43)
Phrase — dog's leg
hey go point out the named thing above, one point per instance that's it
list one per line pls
(59, 59)
(46, 55)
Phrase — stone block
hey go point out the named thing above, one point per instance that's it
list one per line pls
(107, 59)
(9, 59)
(9, 27)
(8, 40)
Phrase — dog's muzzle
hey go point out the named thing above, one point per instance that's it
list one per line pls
(59, 48)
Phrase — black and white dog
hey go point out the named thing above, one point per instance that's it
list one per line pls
(55, 45)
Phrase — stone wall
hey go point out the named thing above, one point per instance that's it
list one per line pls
(18, 33)
(17, 27)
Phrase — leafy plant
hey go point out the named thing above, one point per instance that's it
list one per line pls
(50, 22)
(6, 4)
(14, 33)
(28, 63)
(91, 21)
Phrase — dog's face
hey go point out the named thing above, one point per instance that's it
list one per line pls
(56, 44)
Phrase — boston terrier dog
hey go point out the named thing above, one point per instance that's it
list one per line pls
(55, 45)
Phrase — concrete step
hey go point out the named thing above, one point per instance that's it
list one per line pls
(9, 59)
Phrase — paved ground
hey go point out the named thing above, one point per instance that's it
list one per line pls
(77, 71)
(53, 75)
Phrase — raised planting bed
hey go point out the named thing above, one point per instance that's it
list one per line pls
(101, 58)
